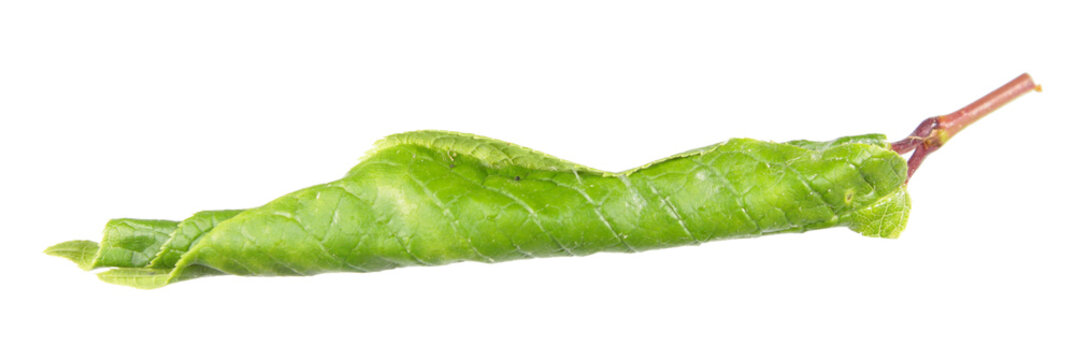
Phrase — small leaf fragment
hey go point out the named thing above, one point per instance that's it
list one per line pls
(81, 252)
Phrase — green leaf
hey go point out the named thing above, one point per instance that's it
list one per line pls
(187, 233)
(431, 198)
(133, 242)
(81, 252)
(143, 278)
(885, 218)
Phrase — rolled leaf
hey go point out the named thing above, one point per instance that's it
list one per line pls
(436, 197)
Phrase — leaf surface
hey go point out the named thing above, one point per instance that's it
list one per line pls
(432, 197)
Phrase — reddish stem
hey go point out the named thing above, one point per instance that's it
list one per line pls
(959, 119)
(935, 131)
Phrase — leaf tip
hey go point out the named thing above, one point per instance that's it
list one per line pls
(81, 252)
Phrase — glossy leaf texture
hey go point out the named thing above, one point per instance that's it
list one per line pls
(436, 197)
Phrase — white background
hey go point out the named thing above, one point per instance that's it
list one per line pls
(159, 109)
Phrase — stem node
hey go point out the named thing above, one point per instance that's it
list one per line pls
(932, 133)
